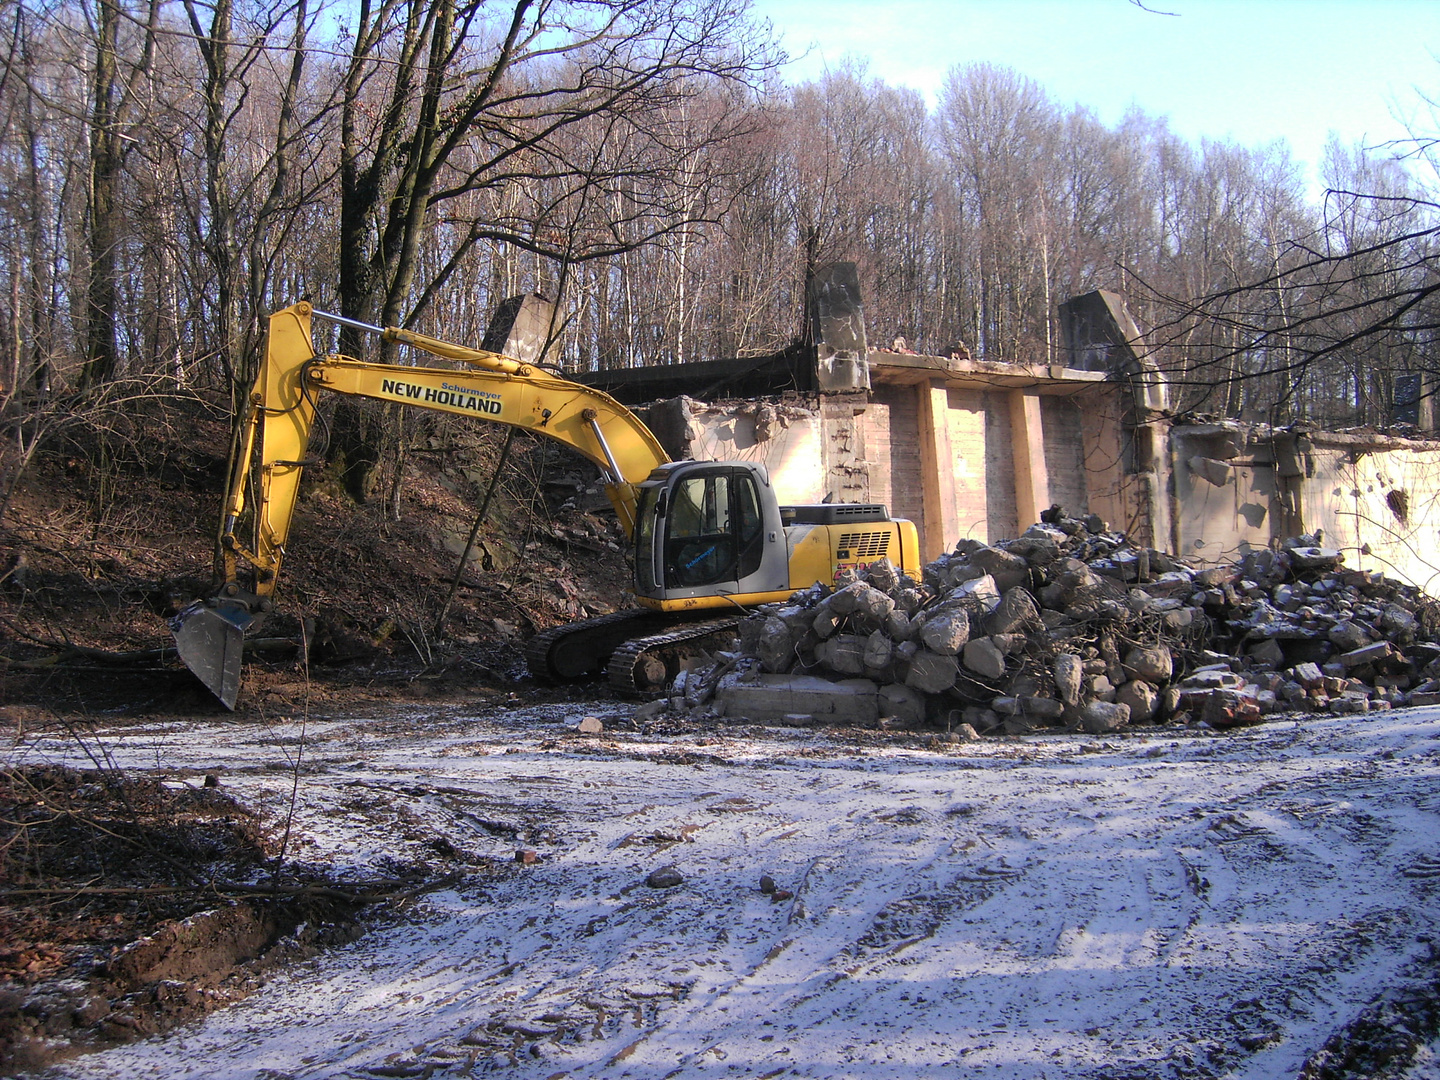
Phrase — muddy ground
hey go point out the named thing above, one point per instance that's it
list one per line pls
(703, 898)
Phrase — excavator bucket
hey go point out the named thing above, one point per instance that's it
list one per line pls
(210, 637)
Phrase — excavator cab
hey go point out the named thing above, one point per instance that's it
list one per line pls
(707, 531)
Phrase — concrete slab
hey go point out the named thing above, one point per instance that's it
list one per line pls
(780, 698)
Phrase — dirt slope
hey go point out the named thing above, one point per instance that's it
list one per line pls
(110, 530)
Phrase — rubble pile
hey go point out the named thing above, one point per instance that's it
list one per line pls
(1072, 626)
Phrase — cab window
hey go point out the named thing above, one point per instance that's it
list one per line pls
(714, 530)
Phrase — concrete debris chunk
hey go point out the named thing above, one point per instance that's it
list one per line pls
(1072, 625)
(932, 673)
(1153, 665)
(878, 648)
(981, 592)
(1211, 471)
(946, 630)
(903, 704)
(1099, 717)
(1068, 671)
(776, 646)
(1017, 610)
(844, 654)
(1142, 699)
(984, 659)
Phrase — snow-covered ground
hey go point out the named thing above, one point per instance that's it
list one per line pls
(1177, 904)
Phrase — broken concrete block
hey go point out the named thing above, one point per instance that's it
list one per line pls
(931, 672)
(1268, 652)
(1142, 698)
(1043, 531)
(749, 631)
(1041, 708)
(883, 575)
(650, 710)
(1215, 576)
(771, 698)
(1368, 654)
(1016, 611)
(878, 648)
(1100, 688)
(1098, 717)
(844, 653)
(903, 703)
(1008, 570)
(826, 622)
(1009, 644)
(843, 601)
(1315, 558)
(1398, 625)
(1154, 665)
(1211, 678)
(981, 591)
(910, 601)
(1210, 470)
(873, 604)
(776, 647)
(1348, 637)
(1068, 671)
(1307, 675)
(984, 659)
(1052, 596)
(898, 626)
(1037, 551)
(946, 630)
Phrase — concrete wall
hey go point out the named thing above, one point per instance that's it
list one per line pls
(1373, 497)
(957, 454)
(792, 448)
(1382, 497)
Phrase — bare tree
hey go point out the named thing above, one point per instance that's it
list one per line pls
(441, 101)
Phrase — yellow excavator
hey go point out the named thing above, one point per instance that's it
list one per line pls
(710, 539)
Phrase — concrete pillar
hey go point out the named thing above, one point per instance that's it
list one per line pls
(1027, 435)
(941, 526)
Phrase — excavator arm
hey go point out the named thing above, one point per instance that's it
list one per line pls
(281, 415)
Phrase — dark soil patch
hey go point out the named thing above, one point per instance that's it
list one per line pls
(119, 915)
(1387, 1036)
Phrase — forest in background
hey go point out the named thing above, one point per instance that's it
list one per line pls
(172, 170)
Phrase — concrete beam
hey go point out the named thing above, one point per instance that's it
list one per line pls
(1027, 443)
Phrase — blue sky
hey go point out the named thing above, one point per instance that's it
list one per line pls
(1253, 71)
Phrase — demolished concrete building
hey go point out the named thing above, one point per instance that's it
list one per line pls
(976, 449)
